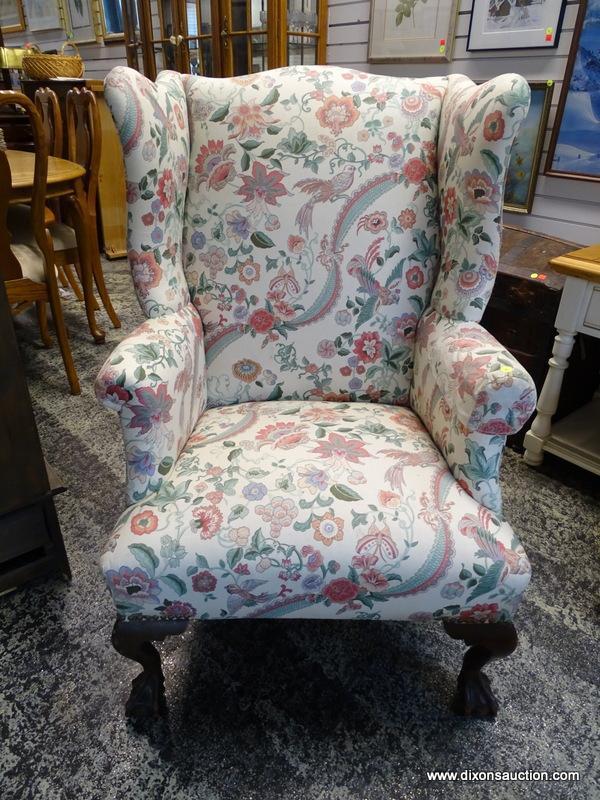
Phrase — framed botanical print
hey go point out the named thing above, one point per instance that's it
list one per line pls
(574, 150)
(515, 24)
(43, 15)
(80, 20)
(412, 30)
(526, 152)
(11, 16)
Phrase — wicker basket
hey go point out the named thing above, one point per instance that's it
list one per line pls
(40, 66)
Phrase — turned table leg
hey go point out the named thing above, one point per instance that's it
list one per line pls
(549, 397)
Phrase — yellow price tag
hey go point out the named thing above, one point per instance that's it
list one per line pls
(505, 368)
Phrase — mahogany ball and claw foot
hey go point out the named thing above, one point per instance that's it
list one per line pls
(474, 696)
(133, 639)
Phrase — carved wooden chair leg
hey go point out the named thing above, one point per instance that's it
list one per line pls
(132, 639)
(42, 315)
(73, 282)
(474, 696)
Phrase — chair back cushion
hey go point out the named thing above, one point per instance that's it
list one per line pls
(311, 232)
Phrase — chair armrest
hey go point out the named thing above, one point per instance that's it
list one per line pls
(156, 380)
(470, 393)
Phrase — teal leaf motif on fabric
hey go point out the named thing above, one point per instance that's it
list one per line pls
(174, 583)
(488, 582)
(342, 492)
(146, 557)
(480, 468)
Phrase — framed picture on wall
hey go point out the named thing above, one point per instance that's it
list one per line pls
(526, 152)
(43, 15)
(80, 21)
(412, 30)
(515, 24)
(11, 16)
(574, 150)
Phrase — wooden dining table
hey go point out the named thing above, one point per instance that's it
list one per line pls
(65, 179)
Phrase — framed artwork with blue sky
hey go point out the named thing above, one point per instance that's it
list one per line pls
(574, 150)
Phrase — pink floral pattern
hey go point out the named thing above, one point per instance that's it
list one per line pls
(152, 121)
(155, 380)
(280, 509)
(311, 263)
(304, 235)
(471, 393)
(478, 124)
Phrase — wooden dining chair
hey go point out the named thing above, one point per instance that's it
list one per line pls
(84, 144)
(46, 102)
(28, 269)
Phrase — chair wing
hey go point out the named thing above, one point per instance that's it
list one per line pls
(477, 130)
(151, 120)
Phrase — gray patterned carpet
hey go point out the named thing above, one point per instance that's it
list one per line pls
(274, 710)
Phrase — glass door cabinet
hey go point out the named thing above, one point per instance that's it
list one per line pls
(220, 38)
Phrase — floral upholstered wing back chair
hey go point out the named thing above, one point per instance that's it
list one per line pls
(313, 417)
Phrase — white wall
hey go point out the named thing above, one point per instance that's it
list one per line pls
(564, 208)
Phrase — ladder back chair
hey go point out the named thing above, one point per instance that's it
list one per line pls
(28, 269)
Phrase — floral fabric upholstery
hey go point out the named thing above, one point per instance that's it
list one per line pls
(156, 381)
(471, 393)
(287, 240)
(311, 242)
(477, 129)
(151, 119)
(331, 510)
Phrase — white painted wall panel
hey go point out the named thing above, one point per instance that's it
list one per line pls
(566, 208)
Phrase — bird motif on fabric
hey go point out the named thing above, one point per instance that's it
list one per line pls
(395, 474)
(322, 191)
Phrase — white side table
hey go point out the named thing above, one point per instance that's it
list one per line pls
(575, 438)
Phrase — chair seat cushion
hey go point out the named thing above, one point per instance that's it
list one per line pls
(311, 509)
(31, 260)
(19, 224)
(63, 236)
